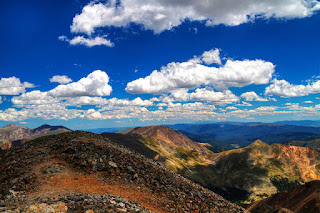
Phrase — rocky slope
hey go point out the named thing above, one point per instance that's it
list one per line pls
(302, 199)
(12, 135)
(86, 172)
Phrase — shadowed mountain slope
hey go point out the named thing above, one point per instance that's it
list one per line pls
(301, 199)
(81, 171)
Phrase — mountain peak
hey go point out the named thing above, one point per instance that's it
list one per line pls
(52, 128)
(13, 126)
(168, 140)
(153, 130)
(258, 143)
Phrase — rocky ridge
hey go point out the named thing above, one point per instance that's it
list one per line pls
(61, 168)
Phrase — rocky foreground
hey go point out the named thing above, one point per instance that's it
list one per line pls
(85, 172)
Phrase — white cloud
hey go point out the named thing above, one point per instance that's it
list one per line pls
(285, 89)
(308, 102)
(35, 97)
(95, 84)
(89, 42)
(252, 96)
(13, 86)
(202, 94)
(61, 79)
(211, 57)
(295, 107)
(161, 15)
(193, 74)
(63, 38)
(232, 108)
(243, 103)
(0, 100)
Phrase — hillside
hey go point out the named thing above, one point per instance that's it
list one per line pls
(301, 199)
(259, 169)
(13, 132)
(179, 151)
(80, 171)
(13, 135)
(311, 144)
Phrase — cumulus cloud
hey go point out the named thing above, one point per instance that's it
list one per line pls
(252, 96)
(211, 57)
(285, 89)
(161, 15)
(295, 107)
(89, 42)
(243, 103)
(35, 97)
(202, 94)
(95, 84)
(231, 108)
(13, 86)
(193, 74)
(61, 79)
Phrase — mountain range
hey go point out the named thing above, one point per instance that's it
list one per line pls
(234, 135)
(66, 162)
(12, 135)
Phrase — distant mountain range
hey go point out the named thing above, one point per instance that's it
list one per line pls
(243, 134)
(104, 130)
(230, 135)
(311, 123)
(13, 134)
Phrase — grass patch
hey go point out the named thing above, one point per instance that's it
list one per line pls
(186, 154)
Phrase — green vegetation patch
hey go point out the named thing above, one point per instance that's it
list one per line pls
(186, 154)
(283, 183)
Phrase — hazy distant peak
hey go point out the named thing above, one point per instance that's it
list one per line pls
(13, 126)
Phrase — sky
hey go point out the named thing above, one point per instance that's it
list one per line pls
(99, 64)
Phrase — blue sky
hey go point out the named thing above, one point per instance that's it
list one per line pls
(130, 63)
